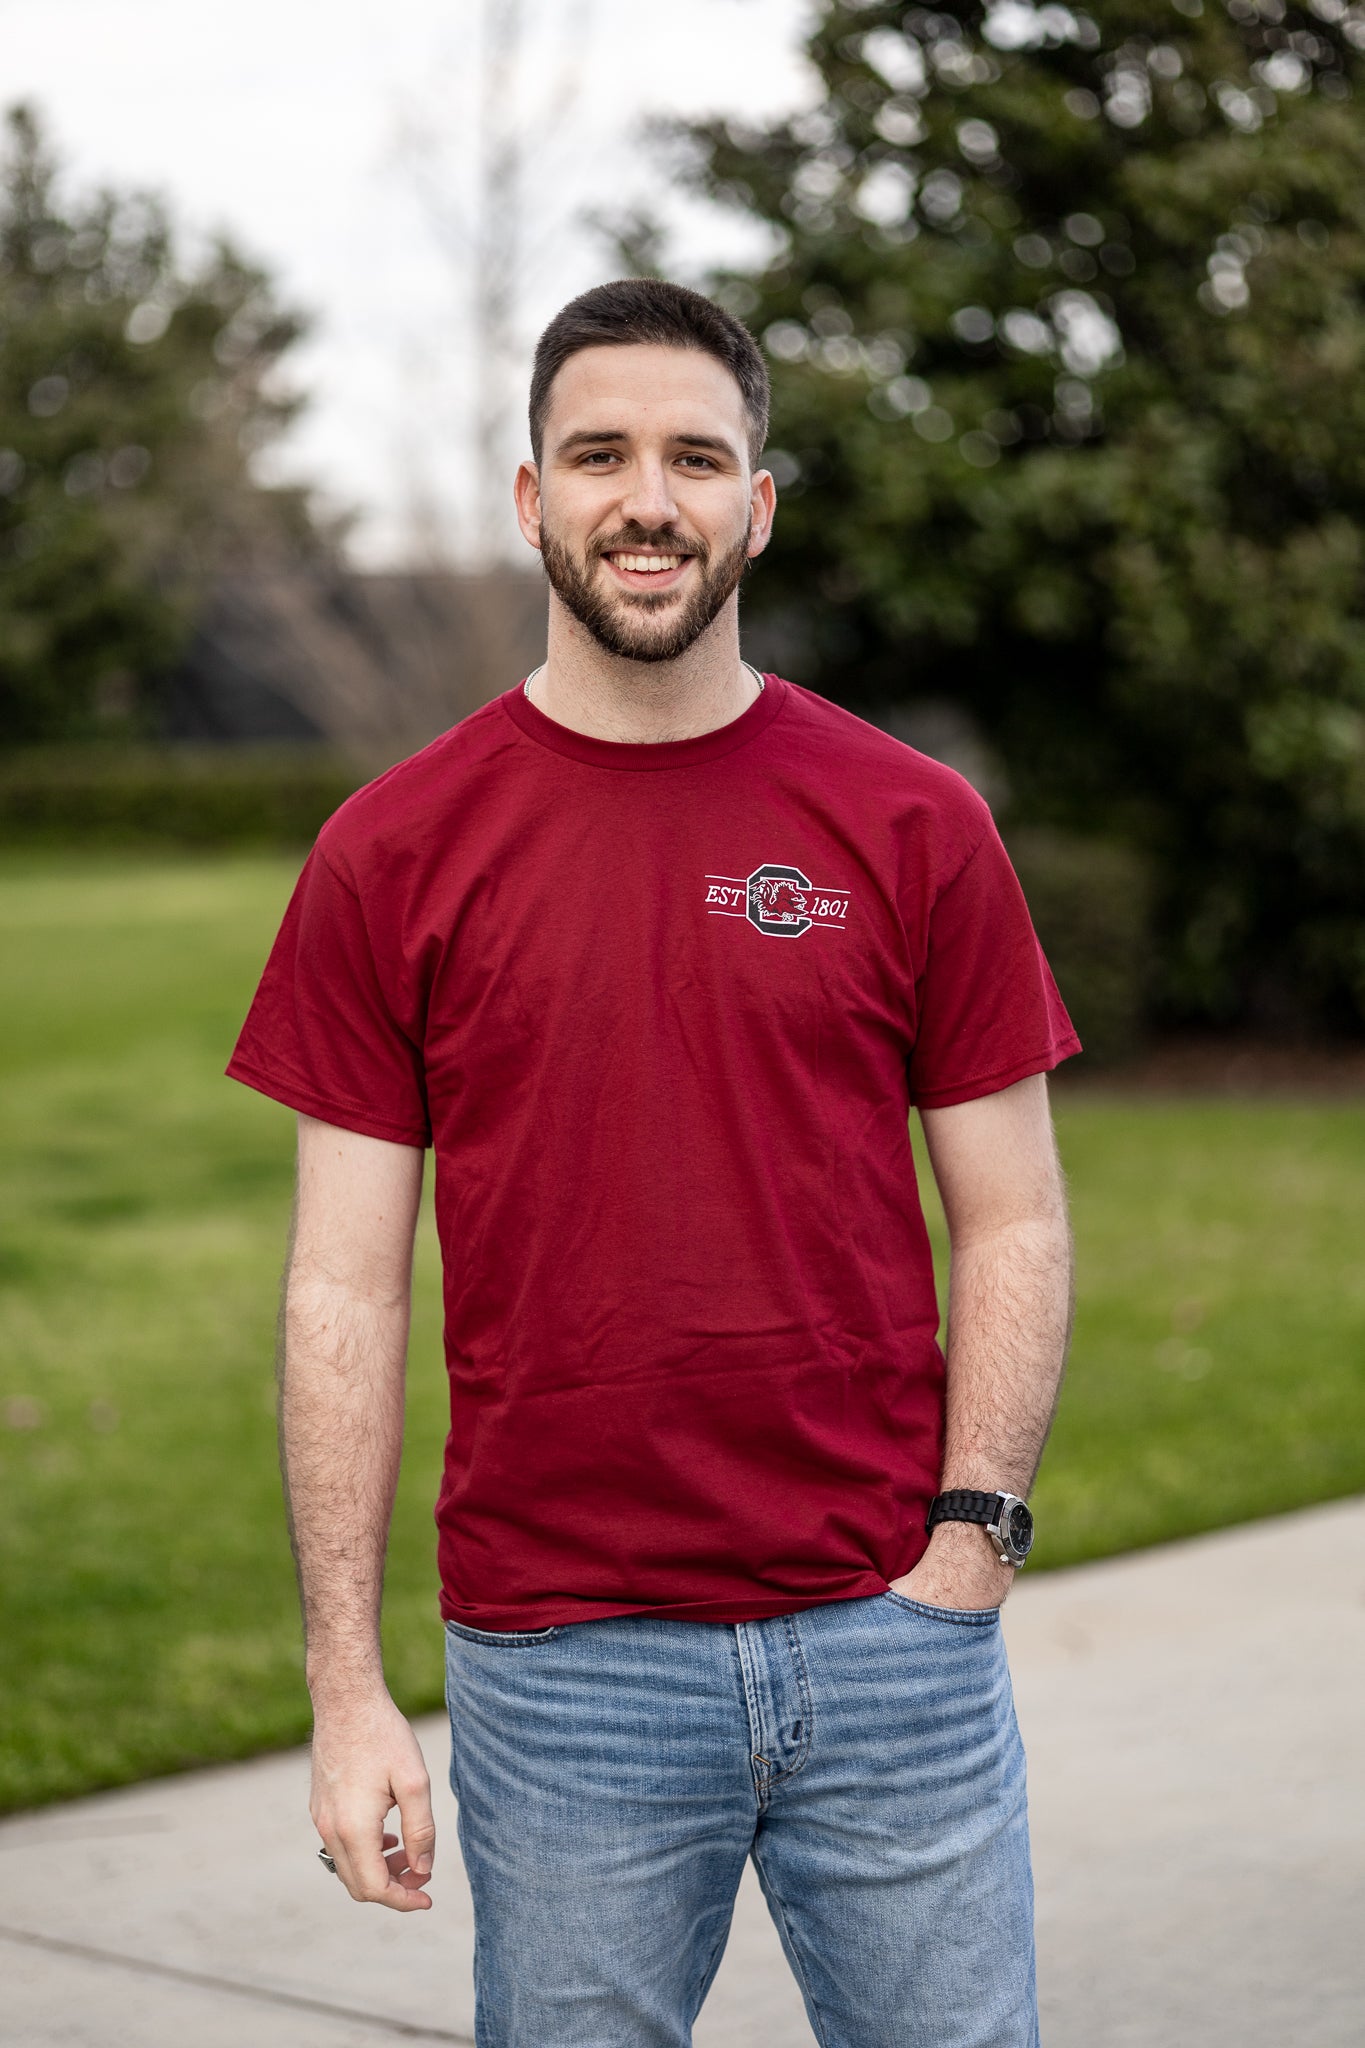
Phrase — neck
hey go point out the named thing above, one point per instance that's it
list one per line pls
(639, 703)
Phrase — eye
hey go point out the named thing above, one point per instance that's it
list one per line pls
(599, 457)
(697, 461)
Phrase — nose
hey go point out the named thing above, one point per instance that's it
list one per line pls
(648, 499)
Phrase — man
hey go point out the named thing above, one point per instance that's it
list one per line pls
(659, 953)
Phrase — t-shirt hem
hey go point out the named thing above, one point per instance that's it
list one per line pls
(559, 1614)
(991, 1084)
(346, 1115)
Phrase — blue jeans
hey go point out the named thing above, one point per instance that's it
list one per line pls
(612, 1777)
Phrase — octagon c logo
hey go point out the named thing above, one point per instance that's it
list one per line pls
(777, 900)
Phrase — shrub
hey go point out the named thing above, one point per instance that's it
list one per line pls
(1090, 901)
(182, 796)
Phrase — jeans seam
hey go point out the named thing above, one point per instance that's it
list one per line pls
(814, 2013)
(963, 1617)
(761, 1783)
(450, 1717)
(504, 1639)
(807, 1710)
(704, 1981)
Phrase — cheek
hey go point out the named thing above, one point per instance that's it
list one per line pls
(575, 506)
(569, 524)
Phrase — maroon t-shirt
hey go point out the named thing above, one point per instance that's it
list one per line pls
(663, 1011)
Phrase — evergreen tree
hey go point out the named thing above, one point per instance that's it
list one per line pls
(1067, 326)
(134, 392)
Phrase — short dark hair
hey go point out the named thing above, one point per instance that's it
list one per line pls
(649, 310)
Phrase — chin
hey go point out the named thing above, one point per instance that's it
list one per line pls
(644, 630)
(650, 652)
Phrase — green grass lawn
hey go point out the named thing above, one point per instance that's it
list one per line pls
(147, 1610)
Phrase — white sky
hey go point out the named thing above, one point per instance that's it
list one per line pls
(280, 120)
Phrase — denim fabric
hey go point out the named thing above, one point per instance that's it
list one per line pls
(612, 1777)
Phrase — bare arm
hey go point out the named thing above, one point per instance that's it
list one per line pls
(343, 1352)
(1009, 1319)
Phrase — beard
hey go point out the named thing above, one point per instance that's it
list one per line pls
(635, 624)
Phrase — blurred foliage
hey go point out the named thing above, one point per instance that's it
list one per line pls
(1067, 325)
(1089, 900)
(177, 796)
(134, 392)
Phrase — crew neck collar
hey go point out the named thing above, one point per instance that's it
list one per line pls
(650, 754)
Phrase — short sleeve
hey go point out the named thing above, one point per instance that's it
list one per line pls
(322, 1035)
(989, 1013)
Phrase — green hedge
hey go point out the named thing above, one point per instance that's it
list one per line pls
(1091, 900)
(184, 796)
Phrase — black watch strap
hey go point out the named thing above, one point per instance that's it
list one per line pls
(962, 1505)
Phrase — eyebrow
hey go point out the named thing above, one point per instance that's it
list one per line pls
(588, 438)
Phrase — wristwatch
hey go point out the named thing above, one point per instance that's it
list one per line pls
(1007, 1520)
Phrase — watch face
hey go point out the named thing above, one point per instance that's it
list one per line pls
(1019, 1529)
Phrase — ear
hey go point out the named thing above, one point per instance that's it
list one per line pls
(526, 493)
(763, 505)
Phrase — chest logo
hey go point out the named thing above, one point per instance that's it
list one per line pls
(778, 901)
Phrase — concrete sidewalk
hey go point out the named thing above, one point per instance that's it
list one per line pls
(1194, 1722)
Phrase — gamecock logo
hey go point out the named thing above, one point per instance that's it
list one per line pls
(778, 901)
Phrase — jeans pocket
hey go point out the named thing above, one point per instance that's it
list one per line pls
(505, 1638)
(958, 1617)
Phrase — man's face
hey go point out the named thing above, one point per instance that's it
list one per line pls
(644, 508)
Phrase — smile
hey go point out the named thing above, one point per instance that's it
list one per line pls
(646, 565)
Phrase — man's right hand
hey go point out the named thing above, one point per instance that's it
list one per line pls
(366, 1761)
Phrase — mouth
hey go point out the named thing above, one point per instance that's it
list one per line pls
(646, 569)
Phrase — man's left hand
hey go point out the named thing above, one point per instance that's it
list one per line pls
(959, 1569)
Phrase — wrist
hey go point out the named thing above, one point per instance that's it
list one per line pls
(343, 1680)
(965, 1549)
(961, 1539)
(958, 1568)
(1006, 1519)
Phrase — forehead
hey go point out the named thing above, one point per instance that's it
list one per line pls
(646, 392)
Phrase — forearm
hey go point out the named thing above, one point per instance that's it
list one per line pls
(343, 1353)
(341, 1435)
(1009, 1322)
(1009, 1318)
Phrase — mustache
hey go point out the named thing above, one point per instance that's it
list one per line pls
(639, 538)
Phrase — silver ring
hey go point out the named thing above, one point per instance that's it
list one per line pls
(330, 1863)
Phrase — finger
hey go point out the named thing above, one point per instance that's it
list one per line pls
(358, 1850)
(399, 1870)
(418, 1824)
(377, 1878)
(366, 1874)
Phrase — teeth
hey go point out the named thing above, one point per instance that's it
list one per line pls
(648, 564)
